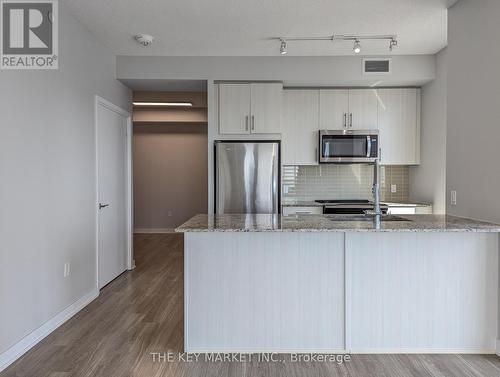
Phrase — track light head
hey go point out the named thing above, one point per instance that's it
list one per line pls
(357, 47)
(283, 47)
(393, 43)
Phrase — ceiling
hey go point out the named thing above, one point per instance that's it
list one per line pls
(245, 27)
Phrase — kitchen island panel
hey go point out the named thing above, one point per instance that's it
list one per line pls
(422, 292)
(257, 292)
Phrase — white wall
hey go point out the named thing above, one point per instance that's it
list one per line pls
(428, 180)
(292, 70)
(47, 183)
(473, 136)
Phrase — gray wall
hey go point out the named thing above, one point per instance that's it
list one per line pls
(47, 183)
(473, 136)
(428, 180)
(170, 174)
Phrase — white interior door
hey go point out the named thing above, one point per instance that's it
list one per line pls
(112, 192)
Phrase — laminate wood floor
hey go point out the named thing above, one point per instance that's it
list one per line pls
(141, 312)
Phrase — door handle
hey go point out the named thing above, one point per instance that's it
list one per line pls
(101, 206)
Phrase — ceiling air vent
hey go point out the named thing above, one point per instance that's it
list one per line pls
(377, 66)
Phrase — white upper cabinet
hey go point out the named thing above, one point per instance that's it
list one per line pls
(234, 108)
(250, 108)
(348, 109)
(300, 126)
(362, 109)
(333, 109)
(399, 126)
(265, 104)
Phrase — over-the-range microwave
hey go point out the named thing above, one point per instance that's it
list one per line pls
(348, 146)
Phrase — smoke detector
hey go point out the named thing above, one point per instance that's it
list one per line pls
(144, 39)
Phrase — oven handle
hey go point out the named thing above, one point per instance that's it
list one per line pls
(369, 146)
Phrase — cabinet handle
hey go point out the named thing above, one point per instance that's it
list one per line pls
(246, 123)
(350, 120)
(380, 154)
(253, 123)
(345, 120)
(316, 154)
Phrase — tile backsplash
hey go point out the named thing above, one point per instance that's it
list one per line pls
(305, 183)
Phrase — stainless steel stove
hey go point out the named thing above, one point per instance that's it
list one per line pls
(349, 206)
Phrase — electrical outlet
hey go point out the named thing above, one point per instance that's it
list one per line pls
(169, 213)
(453, 198)
(285, 189)
(66, 269)
(394, 189)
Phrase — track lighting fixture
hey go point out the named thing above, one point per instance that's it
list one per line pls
(338, 37)
(283, 47)
(357, 47)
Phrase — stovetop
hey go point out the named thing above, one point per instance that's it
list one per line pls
(343, 201)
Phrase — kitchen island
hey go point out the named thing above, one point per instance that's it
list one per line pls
(319, 283)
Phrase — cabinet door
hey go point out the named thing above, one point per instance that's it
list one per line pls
(399, 126)
(299, 136)
(362, 109)
(234, 108)
(266, 100)
(333, 108)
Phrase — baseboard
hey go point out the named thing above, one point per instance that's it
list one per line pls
(402, 351)
(497, 347)
(466, 351)
(30, 340)
(154, 230)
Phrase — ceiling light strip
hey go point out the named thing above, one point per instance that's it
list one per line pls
(175, 104)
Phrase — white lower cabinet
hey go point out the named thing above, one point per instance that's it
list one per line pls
(299, 136)
(422, 292)
(360, 292)
(399, 126)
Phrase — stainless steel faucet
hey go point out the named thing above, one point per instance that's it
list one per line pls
(377, 212)
(376, 189)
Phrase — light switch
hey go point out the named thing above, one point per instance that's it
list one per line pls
(453, 198)
(394, 189)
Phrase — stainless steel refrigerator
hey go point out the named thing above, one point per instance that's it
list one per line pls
(247, 177)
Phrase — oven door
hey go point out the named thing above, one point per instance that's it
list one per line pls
(351, 146)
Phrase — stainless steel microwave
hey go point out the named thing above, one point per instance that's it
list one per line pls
(348, 146)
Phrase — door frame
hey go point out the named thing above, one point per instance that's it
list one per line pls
(99, 101)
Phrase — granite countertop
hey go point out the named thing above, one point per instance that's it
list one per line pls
(327, 223)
